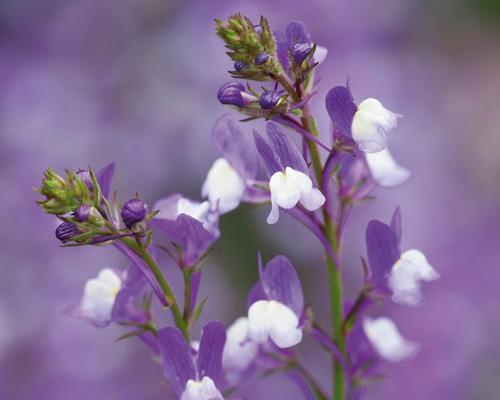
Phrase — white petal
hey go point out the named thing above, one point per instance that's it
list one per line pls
(320, 54)
(258, 321)
(223, 186)
(387, 341)
(310, 197)
(312, 200)
(285, 190)
(99, 296)
(406, 275)
(284, 329)
(384, 170)
(370, 125)
(195, 209)
(239, 352)
(201, 390)
(274, 215)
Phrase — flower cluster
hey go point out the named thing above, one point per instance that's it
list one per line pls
(316, 180)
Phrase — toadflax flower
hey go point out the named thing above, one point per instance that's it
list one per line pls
(277, 304)
(193, 377)
(367, 124)
(387, 341)
(235, 94)
(290, 182)
(230, 179)
(393, 272)
(110, 297)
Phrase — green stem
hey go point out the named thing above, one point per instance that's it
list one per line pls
(187, 294)
(164, 285)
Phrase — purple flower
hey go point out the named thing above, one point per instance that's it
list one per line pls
(261, 58)
(194, 377)
(270, 99)
(300, 51)
(393, 272)
(231, 94)
(240, 65)
(66, 231)
(82, 213)
(133, 211)
(84, 175)
(289, 181)
(104, 178)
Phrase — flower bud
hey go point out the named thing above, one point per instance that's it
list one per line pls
(84, 175)
(230, 93)
(240, 65)
(300, 51)
(82, 213)
(270, 99)
(66, 231)
(133, 211)
(261, 58)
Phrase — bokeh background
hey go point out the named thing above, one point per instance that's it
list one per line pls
(89, 81)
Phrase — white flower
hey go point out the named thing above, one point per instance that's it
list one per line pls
(99, 296)
(406, 275)
(290, 187)
(201, 390)
(370, 125)
(387, 341)
(223, 186)
(269, 319)
(384, 170)
(239, 352)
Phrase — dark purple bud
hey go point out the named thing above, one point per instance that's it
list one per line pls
(84, 175)
(230, 93)
(240, 65)
(261, 58)
(82, 213)
(268, 100)
(133, 211)
(300, 51)
(66, 231)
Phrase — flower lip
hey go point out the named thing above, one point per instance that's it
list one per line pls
(66, 231)
(133, 211)
(231, 94)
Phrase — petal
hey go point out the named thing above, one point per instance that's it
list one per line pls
(176, 359)
(209, 360)
(284, 192)
(168, 206)
(280, 282)
(384, 170)
(223, 187)
(236, 147)
(258, 321)
(341, 108)
(266, 154)
(387, 341)
(105, 177)
(284, 328)
(296, 32)
(201, 390)
(195, 209)
(274, 214)
(256, 293)
(239, 353)
(382, 246)
(406, 275)
(313, 199)
(124, 307)
(284, 149)
(320, 54)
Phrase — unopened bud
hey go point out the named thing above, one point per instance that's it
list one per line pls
(133, 211)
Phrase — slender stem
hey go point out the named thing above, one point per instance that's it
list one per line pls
(164, 285)
(187, 294)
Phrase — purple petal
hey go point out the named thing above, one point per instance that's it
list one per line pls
(195, 286)
(360, 350)
(124, 308)
(281, 283)
(105, 177)
(213, 338)
(396, 224)
(167, 206)
(266, 154)
(285, 150)
(142, 266)
(176, 359)
(341, 108)
(282, 49)
(256, 293)
(296, 33)
(382, 245)
(189, 234)
(302, 384)
(236, 147)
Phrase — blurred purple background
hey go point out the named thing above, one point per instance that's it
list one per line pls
(86, 82)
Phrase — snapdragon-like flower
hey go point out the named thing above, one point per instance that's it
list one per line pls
(194, 377)
(235, 94)
(393, 272)
(387, 341)
(230, 179)
(289, 181)
(277, 304)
